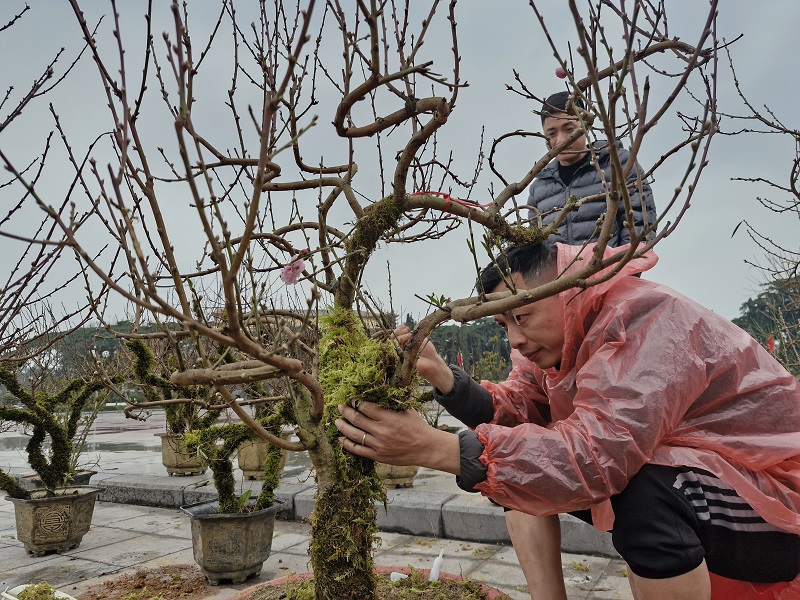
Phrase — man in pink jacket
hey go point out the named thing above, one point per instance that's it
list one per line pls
(634, 408)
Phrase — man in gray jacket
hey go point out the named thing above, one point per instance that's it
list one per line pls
(573, 173)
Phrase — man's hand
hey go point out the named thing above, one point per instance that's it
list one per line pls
(430, 365)
(397, 438)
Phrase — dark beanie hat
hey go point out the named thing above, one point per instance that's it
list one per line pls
(557, 103)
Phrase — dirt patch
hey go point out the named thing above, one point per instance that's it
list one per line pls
(185, 582)
(178, 582)
(412, 588)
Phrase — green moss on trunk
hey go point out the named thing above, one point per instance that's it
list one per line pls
(353, 369)
(40, 411)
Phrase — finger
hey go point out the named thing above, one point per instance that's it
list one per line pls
(349, 413)
(370, 412)
(356, 448)
(402, 330)
(402, 337)
(351, 432)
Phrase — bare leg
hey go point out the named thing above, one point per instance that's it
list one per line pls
(693, 585)
(537, 542)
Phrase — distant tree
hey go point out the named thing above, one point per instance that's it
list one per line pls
(472, 341)
(773, 318)
(491, 367)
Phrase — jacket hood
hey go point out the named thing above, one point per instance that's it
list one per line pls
(579, 304)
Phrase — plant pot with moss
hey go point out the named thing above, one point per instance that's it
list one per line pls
(177, 459)
(253, 453)
(232, 536)
(55, 517)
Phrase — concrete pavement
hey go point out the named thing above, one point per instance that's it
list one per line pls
(137, 523)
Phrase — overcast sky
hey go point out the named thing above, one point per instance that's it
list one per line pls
(701, 259)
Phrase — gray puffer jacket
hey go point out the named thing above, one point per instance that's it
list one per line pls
(548, 193)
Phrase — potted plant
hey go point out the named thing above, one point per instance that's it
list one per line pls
(232, 536)
(55, 517)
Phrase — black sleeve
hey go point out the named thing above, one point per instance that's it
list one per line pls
(473, 470)
(468, 401)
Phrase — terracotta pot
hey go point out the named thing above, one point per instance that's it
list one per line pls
(177, 459)
(55, 524)
(230, 546)
(395, 477)
(490, 592)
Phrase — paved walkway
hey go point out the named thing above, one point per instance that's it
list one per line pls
(141, 525)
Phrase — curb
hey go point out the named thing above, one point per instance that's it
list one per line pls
(444, 515)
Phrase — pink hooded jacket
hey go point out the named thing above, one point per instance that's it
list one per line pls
(647, 376)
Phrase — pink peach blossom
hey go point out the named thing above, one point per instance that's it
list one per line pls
(290, 274)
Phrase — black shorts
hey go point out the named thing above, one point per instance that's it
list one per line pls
(669, 519)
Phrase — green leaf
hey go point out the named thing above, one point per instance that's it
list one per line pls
(243, 500)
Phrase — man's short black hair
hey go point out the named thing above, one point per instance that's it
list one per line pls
(557, 103)
(536, 263)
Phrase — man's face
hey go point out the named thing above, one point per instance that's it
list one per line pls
(536, 329)
(556, 128)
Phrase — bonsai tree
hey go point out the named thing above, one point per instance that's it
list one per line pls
(257, 255)
(40, 411)
(219, 443)
(190, 412)
(53, 395)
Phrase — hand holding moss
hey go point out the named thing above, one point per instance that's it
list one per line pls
(397, 438)
(430, 365)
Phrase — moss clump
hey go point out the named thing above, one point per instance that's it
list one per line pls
(39, 591)
(355, 367)
(378, 218)
(522, 236)
(217, 445)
